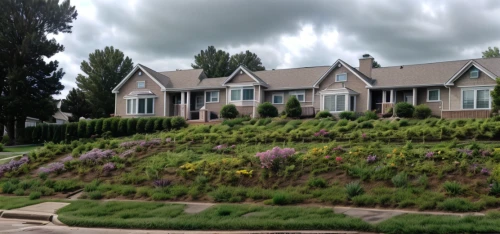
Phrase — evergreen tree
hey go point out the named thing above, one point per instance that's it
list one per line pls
(77, 104)
(248, 59)
(491, 52)
(104, 70)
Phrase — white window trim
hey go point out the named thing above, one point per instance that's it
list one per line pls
(474, 70)
(296, 93)
(475, 98)
(210, 91)
(278, 94)
(346, 106)
(439, 95)
(337, 77)
(355, 100)
(141, 82)
(241, 94)
(136, 111)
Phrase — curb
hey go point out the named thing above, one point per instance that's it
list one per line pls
(56, 221)
(23, 215)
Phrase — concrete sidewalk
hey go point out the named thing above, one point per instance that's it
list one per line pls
(45, 211)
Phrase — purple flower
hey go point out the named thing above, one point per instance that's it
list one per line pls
(485, 153)
(271, 158)
(67, 159)
(363, 135)
(429, 155)
(13, 165)
(108, 167)
(127, 153)
(371, 158)
(168, 140)
(468, 152)
(161, 183)
(321, 133)
(220, 147)
(485, 171)
(52, 167)
(96, 155)
(337, 149)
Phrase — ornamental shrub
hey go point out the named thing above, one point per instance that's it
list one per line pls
(229, 111)
(273, 159)
(131, 126)
(178, 122)
(98, 126)
(82, 128)
(349, 115)
(293, 108)
(371, 115)
(90, 128)
(115, 122)
(167, 124)
(158, 124)
(422, 111)
(404, 110)
(141, 125)
(37, 134)
(122, 127)
(323, 114)
(400, 180)
(71, 132)
(150, 125)
(267, 109)
(106, 124)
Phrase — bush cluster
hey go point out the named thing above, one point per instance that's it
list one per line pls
(267, 110)
(91, 128)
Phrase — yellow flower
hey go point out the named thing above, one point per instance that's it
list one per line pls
(350, 152)
(439, 152)
(393, 165)
(389, 155)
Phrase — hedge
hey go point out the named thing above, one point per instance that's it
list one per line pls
(86, 128)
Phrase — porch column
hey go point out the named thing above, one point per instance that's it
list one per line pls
(183, 105)
(188, 105)
(369, 102)
(414, 96)
(392, 96)
(347, 103)
(384, 95)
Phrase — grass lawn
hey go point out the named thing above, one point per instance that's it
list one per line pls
(8, 203)
(21, 149)
(155, 215)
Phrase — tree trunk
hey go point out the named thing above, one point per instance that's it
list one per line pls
(20, 125)
(11, 131)
(2, 129)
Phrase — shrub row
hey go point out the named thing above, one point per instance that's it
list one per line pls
(100, 128)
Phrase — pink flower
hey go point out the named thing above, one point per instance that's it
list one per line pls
(338, 159)
(327, 157)
(274, 156)
(363, 135)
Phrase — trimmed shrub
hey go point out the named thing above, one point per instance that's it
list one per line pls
(323, 114)
(317, 183)
(293, 108)
(98, 126)
(141, 125)
(115, 122)
(35, 195)
(229, 111)
(150, 125)
(167, 124)
(371, 115)
(404, 110)
(131, 126)
(178, 122)
(122, 127)
(90, 128)
(1, 147)
(422, 111)
(82, 128)
(158, 124)
(71, 132)
(267, 109)
(453, 188)
(37, 134)
(349, 115)
(106, 124)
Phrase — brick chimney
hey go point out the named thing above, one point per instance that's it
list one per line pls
(365, 65)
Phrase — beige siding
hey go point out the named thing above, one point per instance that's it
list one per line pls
(216, 107)
(131, 85)
(353, 82)
(286, 95)
(241, 78)
(435, 106)
(465, 80)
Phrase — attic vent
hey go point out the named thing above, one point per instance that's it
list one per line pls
(241, 72)
(340, 65)
(140, 73)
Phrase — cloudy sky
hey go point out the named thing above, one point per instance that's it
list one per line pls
(166, 34)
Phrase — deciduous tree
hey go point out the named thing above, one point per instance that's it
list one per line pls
(491, 52)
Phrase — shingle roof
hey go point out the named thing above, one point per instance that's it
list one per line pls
(164, 80)
(292, 77)
(183, 78)
(428, 73)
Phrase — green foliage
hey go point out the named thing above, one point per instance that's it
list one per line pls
(98, 126)
(122, 127)
(371, 115)
(400, 180)
(167, 124)
(35, 195)
(90, 128)
(1, 147)
(495, 95)
(150, 125)
(491, 52)
(348, 115)
(106, 125)
(178, 123)
(353, 189)
(323, 114)
(317, 182)
(131, 126)
(267, 110)
(293, 108)
(141, 125)
(422, 111)
(404, 110)
(229, 111)
(453, 188)
(82, 129)
(459, 205)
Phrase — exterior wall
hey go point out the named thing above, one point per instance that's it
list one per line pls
(435, 106)
(131, 85)
(241, 78)
(464, 80)
(268, 97)
(216, 107)
(353, 82)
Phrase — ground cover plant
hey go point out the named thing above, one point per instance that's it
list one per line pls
(430, 164)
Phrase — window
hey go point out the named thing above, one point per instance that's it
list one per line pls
(239, 94)
(476, 99)
(141, 84)
(211, 96)
(433, 95)
(278, 98)
(474, 73)
(334, 103)
(300, 95)
(341, 77)
(140, 106)
(352, 103)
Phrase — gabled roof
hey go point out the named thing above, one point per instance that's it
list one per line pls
(179, 79)
(466, 67)
(368, 81)
(291, 78)
(155, 76)
(244, 69)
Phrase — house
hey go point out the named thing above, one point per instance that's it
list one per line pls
(61, 117)
(452, 89)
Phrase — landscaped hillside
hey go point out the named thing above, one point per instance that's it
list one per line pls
(420, 164)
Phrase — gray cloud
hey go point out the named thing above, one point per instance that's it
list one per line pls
(166, 34)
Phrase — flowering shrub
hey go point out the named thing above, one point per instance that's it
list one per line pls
(150, 143)
(168, 140)
(108, 167)
(371, 158)
(429, 155)
(321, 133)
(129, 144)
(244, 173)
(161, 183)
(95, 155)
(67, 159)
(13, 165)
(271, 159)
(327, 157)
(52, 167)
(220, 147)
(127, 153)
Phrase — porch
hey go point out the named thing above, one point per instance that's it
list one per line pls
(191, 105)
(383, 100)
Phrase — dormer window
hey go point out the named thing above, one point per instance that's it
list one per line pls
(141, 84)
(341, 77)
(474, 73)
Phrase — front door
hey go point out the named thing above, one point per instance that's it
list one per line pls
(198, 102)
